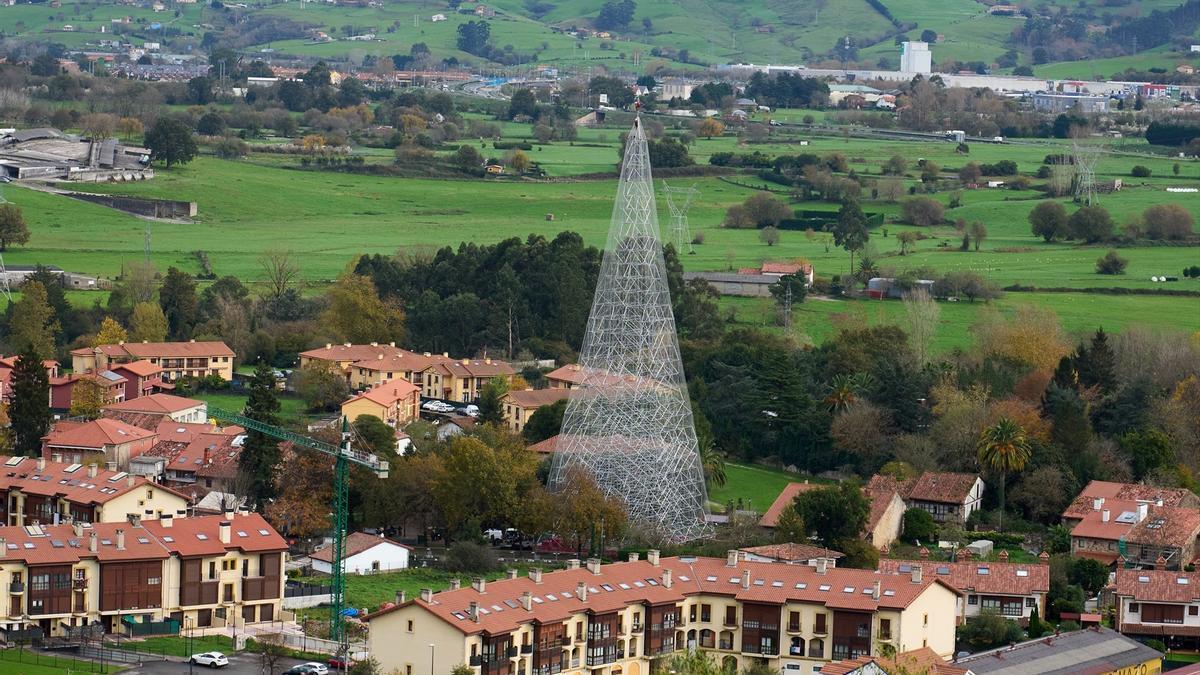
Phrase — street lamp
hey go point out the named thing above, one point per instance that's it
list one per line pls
(187, 624)
(431, 653)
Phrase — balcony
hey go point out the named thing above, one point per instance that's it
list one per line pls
(512, 652)
(637, 628)
(526, 649)
(725, 644)
(476, 661)
(79, 584)
(16, 588)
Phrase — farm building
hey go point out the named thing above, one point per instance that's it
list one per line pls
(365, 553)
(51, 154)
(879, 288)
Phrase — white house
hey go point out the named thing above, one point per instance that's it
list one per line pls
(365, 554)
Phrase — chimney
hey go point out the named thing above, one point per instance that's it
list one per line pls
(916, 574)
(229, 513)
(511, 574)
(527, 601)
(207, 461)
(1161, 563)
(455, 584)
(473, 611)
(652, 557)
(745, 579)
(875, 590)
(347, 344)
(1158, 501)
(822, 564)
(130, 480)
(401, 596)
(56, 458)
(120, 540)
(1143, 511)
(223, 531)
(1097, 503)
(3, 546)
(593, 565)
(1104, 516)
(374, 344)
(488, 361)
(731, 558)
(110, 466)
(666, 578)
(924, 553)
(1003, 556)
(92, 470)
(480, 585)
(181, 513)
(427, 595)
(581, 591)
(328, 345)
(391, 344)
(634, 556)
(573, 564)
(535, 573)
(1044, 558)
(166, 520)
(77, 528)
(135, 519)
(41, 463)
(92, 542)
(964, 554)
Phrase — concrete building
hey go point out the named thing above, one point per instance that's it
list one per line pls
(50, 491)
(620, 617)
(462, 380)
(51, 154)
(1159, 605)
(1049, 102)
(365, 554)
(105, 440)
(177, 359)
(1093, 650)
(397, 402)
(915, 57)
(519, 406)
(371, 364)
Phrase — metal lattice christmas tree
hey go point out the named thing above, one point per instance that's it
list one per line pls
(630, 423)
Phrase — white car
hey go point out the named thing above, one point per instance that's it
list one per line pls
(318, 668)
(210, 659)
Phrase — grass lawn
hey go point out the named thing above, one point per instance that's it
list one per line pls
(291, 408)
(177, 645)
(756, 486)
(371, 591)
(25, 662)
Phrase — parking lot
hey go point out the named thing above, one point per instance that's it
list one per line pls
(239, 664)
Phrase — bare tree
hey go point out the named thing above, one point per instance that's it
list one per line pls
(281, 268)
(270, 648)
(922, 314)
(141, 278)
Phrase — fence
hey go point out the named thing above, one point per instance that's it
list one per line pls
(99, 663)
(314, 645)
(136, 629)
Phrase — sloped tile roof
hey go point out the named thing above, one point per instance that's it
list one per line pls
(998, 578)
(536, 398)
(200, 535)
(793, 551)
(943, 487)
(95, 434)
(156, 403)
(1126, 492)
(771, 517)
(71, 482)
(356, 543)
(1158, 585)
(922, 660)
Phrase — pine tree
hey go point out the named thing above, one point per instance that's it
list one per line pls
(1097, 365)
(30, 409)
(260, 453)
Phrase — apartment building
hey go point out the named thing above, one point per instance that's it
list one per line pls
(573, 376)
(8, 363)
(396, 402)
(177, 408)
(1159, 605)
(1134, 524)
(462, 380)
(372, 364)
(1013, 590)
(55, 577)
(519, 406)
(618, 618)
(222, 570)
(49, 492)
(142, 378)
(105, 440)
(176, 359)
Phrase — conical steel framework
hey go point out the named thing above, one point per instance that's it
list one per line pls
(630, 423)
(678, 201)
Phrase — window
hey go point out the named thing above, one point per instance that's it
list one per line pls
(816, 648)
(212, 569)
(692, 613)
(153, 581)
(706, 613)
(926, 619)
(408, 669)
(885, 629)
(793, 621)
(1031, 602)
(1133, 608)
(245, 567)
(1193, 610)
(410, 625)
(731, 616)
(972, 599)
(819, 627)
(39, 582)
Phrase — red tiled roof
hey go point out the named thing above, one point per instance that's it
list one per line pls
(573, 373)
(375, 357)
(142, 368)
(792, 551)
(246, 534)
(999, 578)
(1126, 492)
(156, 403)
(61, 544)
(95, 434)
(388, 393)
(784, 268)
(211, 454)
(922, 660)
(620, 584)
(771, 517)
(942, 487)
(148, 421)
(1158, 585)
(146, 350)
(536, 398)
(67, 481)
(356, 543)
(1162, 526)
(467, 368)
(880, 491)
(545, 447)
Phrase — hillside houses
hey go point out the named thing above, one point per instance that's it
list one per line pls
(396, 402)
(368, 365)
(520, 405)
(883, 522)
(1134, 524)
(176, 359)
(1013, 590)
(463, 380)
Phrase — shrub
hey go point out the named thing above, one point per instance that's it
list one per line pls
(468, 556)
(1140, 171)
(1168, 221)
(919, 526)
(1091, 224)
(922, 211)
(698, 238)
(1111, 263)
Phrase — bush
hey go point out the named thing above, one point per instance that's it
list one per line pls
(1091, 224)
(1140, 171)
(1168, 221)
(919, 526)
(922, 211)
(468, 556)
(1111, 263)
(231, 148)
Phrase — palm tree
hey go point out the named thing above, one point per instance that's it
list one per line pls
(713, 463)
(1003, 447)
(845, 391)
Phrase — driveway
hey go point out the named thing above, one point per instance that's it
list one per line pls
(239, 664)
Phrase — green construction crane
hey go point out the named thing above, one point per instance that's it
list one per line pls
(343, 455)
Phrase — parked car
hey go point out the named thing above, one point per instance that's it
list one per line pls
(311, 668)
(210, 659)
(340, 662)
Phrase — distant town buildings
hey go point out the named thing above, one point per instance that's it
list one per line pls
(1050, 102)
(176, 359)
(915, 57)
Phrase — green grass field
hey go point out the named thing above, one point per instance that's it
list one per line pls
(756, 486)
(291, 408)
(372, 590)
(178, 645)
(26, 662)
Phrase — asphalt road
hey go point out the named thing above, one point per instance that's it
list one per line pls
(239, 664)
